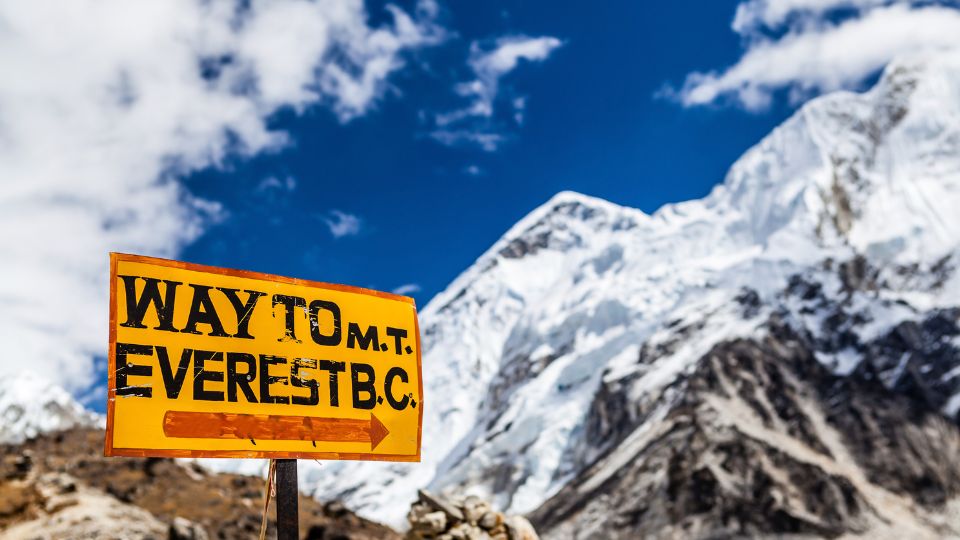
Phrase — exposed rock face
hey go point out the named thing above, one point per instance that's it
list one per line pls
(469, 518)
(764, 440)
(58, 486)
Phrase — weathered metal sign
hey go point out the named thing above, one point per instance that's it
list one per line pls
(211, 362)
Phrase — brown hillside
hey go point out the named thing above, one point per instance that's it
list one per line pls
(60, 486)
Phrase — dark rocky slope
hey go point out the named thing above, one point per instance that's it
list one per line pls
(762, 440)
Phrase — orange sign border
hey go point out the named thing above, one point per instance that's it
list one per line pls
(110, 451)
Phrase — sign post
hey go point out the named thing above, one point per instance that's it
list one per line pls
(288, 523)
(214, 362)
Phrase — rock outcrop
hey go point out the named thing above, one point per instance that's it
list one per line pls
(468, 518)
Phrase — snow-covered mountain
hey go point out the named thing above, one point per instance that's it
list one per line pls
(30, 405)
(575, 332)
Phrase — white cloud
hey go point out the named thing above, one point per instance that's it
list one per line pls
(343, 224)
(474, 123)
(273, 184)
(753, 15)
(490, 66)
(488, 141)
(809, 53)
(105, 104)
(519, 105)
(472, 170)
(407, 289)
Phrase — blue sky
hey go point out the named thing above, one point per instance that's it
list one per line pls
(374, 144)
(426, 210)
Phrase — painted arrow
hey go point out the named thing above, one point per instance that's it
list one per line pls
(203, 425)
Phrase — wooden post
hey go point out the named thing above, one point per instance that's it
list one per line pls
(288, 522)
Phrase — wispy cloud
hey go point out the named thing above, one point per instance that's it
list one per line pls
(114, 101)
(488, 141)
(812, 46)
(475, 123)
(407, 289)
(274, 184)
(472, 170)
(343, 224)
(519, 105)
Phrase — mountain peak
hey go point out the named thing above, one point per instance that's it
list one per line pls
(569, 198)
(568, 220)
(872, 172)
(564, 201)
(31, 405)
(565, 211)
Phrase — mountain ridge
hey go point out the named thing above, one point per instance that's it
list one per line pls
(31, 405)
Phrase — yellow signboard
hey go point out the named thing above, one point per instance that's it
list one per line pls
(211, 362)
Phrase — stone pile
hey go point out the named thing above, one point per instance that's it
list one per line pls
(470, 518)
